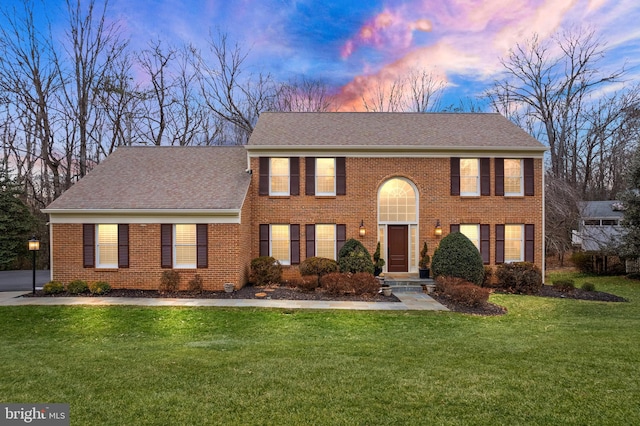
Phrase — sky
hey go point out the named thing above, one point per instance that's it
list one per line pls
(350, 45)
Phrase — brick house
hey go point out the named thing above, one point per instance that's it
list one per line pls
(304, 184)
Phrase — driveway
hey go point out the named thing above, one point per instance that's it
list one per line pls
(22, 280)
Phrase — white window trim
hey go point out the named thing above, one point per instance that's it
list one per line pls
(282, 262)
(320, 193)
(521, 192)
(97, 249)
(477, 191)
(175, 251)
(335, 236)
(288, 191)
(521, 259)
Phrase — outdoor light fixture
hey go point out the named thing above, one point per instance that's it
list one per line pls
(34, 246)
(438, 230)
(363, 231)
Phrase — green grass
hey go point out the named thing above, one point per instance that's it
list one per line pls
(547, 362)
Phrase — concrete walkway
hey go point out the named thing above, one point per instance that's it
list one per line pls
(409, 301)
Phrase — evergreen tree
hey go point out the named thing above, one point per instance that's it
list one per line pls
(16, 221)
(631, 206)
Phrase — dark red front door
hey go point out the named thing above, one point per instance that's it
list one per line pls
(398, 248)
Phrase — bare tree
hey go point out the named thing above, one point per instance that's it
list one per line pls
(304, 95)
(236, 98)
(418, 90)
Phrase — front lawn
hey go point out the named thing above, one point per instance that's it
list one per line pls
(547, 361)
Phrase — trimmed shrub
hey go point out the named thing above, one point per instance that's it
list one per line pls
(457, 256)
(489, 276)
(77, 287)
(53, 287)
(336, 283)
(443, 283)
(587, 286)
(265, 270)
(364, 283)
(520, 277)
(99, 287)
(305, 283)
(378, 262)
(169, 281)
(468, 294)
(354, 257)
(318, 266)
(195, 284)
(564, 285)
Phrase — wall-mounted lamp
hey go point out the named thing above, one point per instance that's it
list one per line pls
(438, 230)
(362, 230)
(34, 246)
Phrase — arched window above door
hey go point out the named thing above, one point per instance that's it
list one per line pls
(397, 201)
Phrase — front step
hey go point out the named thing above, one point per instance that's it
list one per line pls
(408, 282)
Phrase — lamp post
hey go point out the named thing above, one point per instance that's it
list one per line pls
(34, 246)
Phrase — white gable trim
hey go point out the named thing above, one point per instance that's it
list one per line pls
(143, 216)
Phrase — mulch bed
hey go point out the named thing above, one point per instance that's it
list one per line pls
(288, 293)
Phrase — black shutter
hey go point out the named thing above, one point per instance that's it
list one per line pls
(341, 176)
(310, 176)
(123, 246)
(528, 176)
(294, 236)
(529, 237)
(310, 230)
(88, 245)
(264, 176)
(264, 240)
(485, 176)
(454, 227)
(499, 244)
(485, 244)
(166, 245)
(202, 245)
(294, 176)
(499, 166)
(341, 237)
(455, 176)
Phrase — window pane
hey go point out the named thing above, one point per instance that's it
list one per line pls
(185, 245)
(469, 176)
(512, 176)
(513, 243)
(326, 241)
(279, 171)
(280, 243)
(325, 175)
(107, 245)
(397, 202)
(472, 233)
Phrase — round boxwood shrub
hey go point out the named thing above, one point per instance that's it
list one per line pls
(99, 287)
(265, 270)
(53, 287)
(354, 257)
(77, 287)
(456, 256)
(318, 266)
(519, 277)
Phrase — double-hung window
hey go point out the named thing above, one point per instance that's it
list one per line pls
(513, 177)
(513, 243)
(185, 246)
(326, 241)
(472, 232)
(280, 244)
(325, 176)
(279, 176)
(106, 246)
(469, 176)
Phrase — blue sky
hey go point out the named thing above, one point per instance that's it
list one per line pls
(351, 45)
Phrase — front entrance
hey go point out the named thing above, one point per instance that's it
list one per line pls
(398, 248)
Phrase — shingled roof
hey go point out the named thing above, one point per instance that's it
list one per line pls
(377, 130)
(198, 178)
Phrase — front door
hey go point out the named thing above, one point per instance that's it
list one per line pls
(398, 254)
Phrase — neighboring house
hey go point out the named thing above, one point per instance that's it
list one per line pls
(599, 228)
(304, 184)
